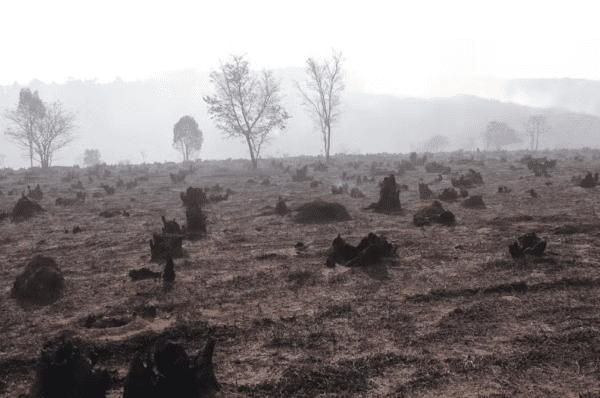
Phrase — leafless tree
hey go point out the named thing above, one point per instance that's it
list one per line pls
(536, 125)
(55, 132)
(41, 128)
(25, 120)
(321, 97)
(246, 104)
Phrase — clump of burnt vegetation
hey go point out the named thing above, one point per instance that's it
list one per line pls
(24, 209)
(41, 283)
(433, 212)
(301, 175)
(474, 202)
(416, 161)
(589, 181)
(425, 192)
(448, 195)
(469, 180)
(177, 178)
(281, 208)
(356, 193)
(339, 189)
(108, 189)
(370, 250)
(530, 244)
(434, 167)
(63, 371)
(35, 194)
(165, 369)
(319, 211)
(539, 166)
(78, 200)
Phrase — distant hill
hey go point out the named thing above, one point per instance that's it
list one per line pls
(576, 95)
(123, 118)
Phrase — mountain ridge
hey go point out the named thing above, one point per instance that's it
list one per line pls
(123, 118)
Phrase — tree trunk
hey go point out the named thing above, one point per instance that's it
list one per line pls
(44, 157)
(254, 162)
(328, 144)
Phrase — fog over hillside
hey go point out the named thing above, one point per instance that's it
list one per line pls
(121, 119)
(577, 95)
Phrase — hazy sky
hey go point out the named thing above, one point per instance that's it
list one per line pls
(417, 48)
(424, 48)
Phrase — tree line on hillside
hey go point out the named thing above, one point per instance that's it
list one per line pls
(246, 104)
(499, 134)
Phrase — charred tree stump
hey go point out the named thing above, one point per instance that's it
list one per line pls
(389, 196)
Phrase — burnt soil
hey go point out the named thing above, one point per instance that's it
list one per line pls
(454, 315)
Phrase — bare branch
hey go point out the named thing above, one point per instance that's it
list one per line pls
(246, 104)
(322, 96)
(43, 129)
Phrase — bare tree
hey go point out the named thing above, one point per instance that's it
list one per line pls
(187, 137)
(41, 128)
(321, 98)
(536, 125)
(55, 132)
(246, 104)
(25, 120)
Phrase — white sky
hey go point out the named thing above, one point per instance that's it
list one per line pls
(416, 48)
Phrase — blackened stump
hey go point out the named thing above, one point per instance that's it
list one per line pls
(448, 195)
(389, 196)
(169, 272)
(196, 221)
(281, 207)
(474, 202)
(163, 245)
(170, 227)
(425, 192)
(62, 371)
(40, 283)
(166, 370)
(25, 209)
(433, 212)
(193, 198)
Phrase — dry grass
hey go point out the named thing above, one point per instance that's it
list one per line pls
(453, 316)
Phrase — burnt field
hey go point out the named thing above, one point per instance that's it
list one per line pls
(451, 314)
